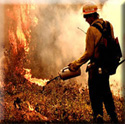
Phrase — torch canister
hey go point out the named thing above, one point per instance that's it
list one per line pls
(65, 73)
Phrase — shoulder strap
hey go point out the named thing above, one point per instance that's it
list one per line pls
(105, 30)
(105, 25)
(100, 29)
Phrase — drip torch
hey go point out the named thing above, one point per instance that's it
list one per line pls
(65, 74)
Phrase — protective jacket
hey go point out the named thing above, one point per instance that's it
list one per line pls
(93, 37)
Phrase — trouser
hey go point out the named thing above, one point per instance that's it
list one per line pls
(99, 91)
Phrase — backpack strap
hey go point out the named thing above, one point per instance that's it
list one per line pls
(105, 26)
(96, 25)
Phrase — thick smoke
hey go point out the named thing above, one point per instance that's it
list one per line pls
(58, 40)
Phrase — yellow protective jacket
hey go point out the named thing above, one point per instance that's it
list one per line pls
(92, 38)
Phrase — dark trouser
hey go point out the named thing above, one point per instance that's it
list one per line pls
(99, 91)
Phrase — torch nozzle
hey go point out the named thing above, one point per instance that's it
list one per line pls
(55, 78)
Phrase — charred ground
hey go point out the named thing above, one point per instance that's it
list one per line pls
(59, 102)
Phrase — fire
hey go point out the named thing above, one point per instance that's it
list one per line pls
(19, 35)
(30, 106)
(21, 19)
(28, 76)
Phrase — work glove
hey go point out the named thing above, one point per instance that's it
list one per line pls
(73, 66)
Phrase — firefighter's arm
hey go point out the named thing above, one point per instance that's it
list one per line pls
(88, 51)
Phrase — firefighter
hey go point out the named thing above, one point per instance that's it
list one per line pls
(98, 82)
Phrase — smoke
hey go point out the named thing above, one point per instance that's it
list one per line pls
(59, 41)
(46, 1)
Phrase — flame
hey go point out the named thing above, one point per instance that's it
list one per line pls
(30, 107)
(37, 81)
(33, 112)
(21, 19)
(19, 35)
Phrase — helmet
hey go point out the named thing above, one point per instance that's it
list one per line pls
(89, 8)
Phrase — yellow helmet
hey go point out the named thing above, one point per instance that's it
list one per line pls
(89, 8)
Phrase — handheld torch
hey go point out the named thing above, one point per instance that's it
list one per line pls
(65, 74)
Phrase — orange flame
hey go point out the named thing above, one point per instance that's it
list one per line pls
(37, 81)
(21, 18)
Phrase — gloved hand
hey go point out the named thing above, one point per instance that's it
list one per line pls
(73, 66)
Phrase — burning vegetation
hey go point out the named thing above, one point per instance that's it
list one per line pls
(24, 99)
(18, 37)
